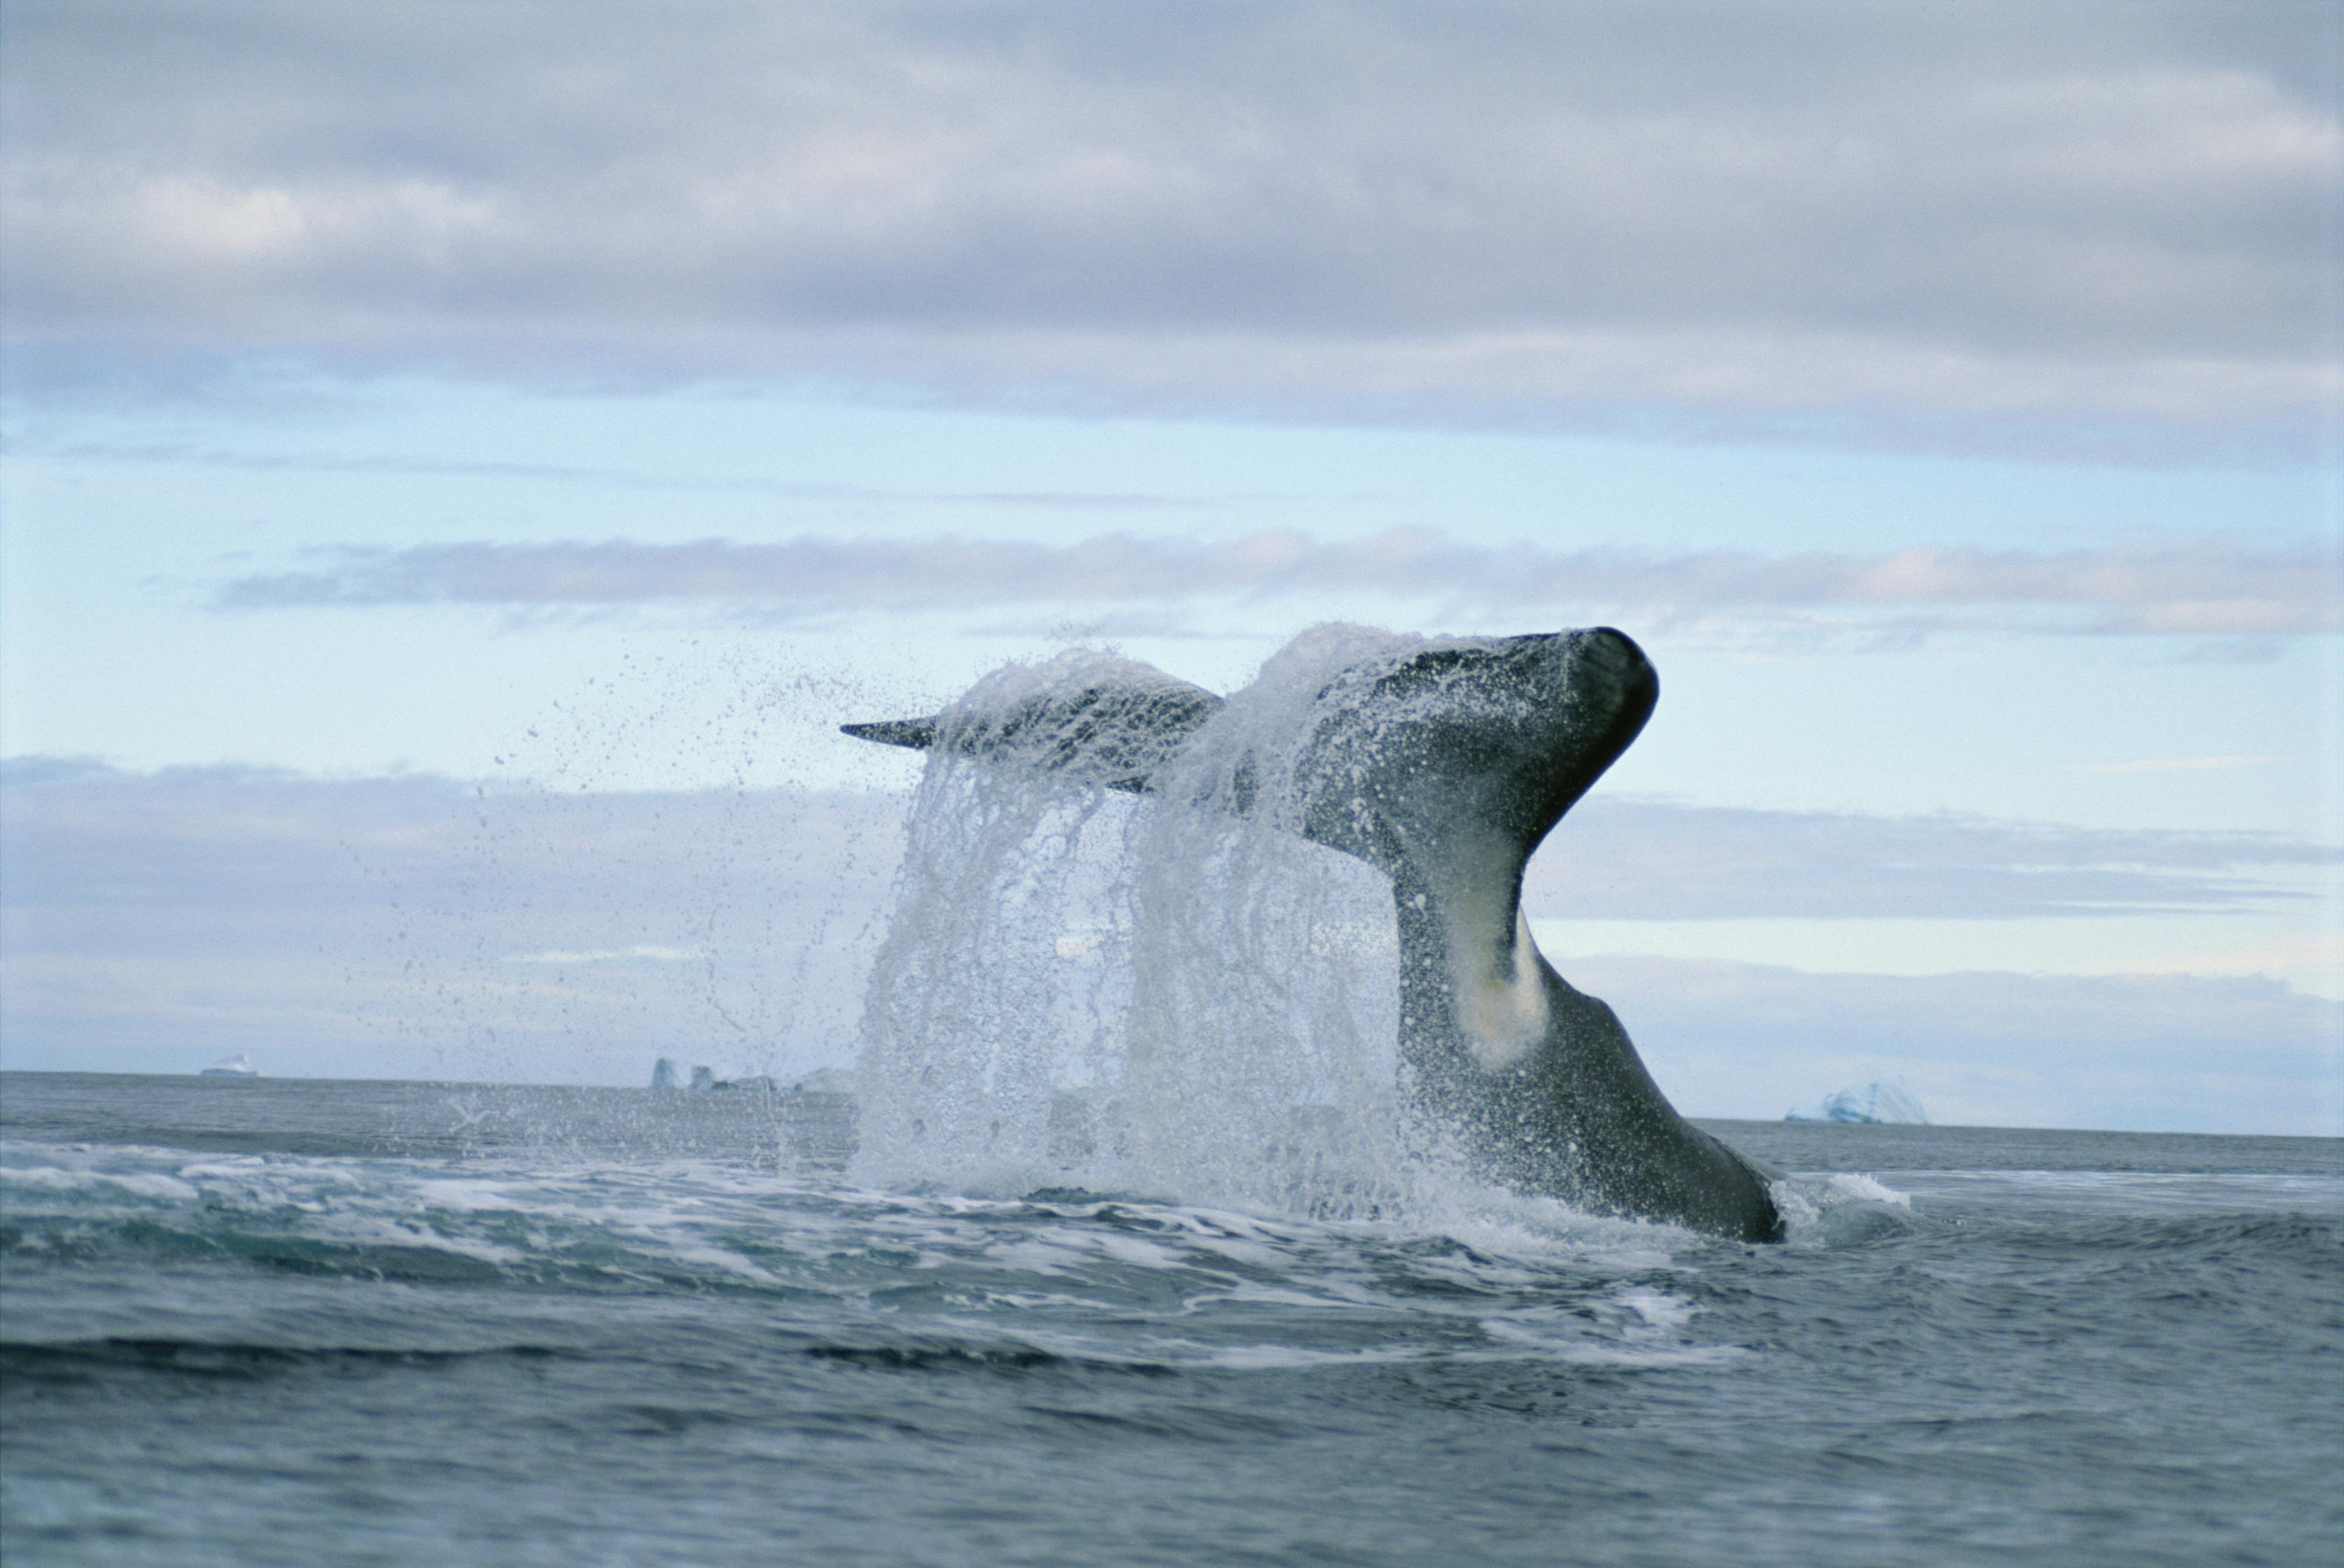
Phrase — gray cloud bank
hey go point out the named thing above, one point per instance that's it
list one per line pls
(2080, 224)
(1629, 859)
(2178, 1053)
(415, 927)
(2204, 588)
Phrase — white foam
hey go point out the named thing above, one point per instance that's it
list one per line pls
(1657, 1311)
(1854, 1187)
(1284, 1358)
(1623, 1352)
(1811, 1205)
(1635, 1326)
(139, 1183)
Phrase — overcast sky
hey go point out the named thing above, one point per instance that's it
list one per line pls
(406, 401)
(2036, 221)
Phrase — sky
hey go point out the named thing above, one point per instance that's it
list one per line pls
(458, 464)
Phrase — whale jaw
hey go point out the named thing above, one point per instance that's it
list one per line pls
(1445, 768)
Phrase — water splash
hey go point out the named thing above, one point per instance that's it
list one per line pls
(1169, 993)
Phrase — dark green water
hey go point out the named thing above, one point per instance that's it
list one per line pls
(309, 1322)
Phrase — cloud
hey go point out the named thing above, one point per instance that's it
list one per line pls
(1619, 858)
(630, 479)
(2098, 226)
(2204, 589)
(416, 927)
(637, 954)
(2171, 764)
(2149, 1052)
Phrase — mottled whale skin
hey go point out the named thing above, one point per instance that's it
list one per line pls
(1445, 770)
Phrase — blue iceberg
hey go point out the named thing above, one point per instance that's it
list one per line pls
(1874, 1103)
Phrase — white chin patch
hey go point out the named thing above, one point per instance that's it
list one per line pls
(1501, 1018)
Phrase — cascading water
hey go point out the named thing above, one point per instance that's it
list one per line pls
(1173, 993)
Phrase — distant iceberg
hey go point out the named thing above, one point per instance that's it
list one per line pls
(1872, 1104)
(239, 1065)
(705, 1079)
(837, 1081)
(825, 1081)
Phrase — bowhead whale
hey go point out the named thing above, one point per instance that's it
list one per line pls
(1444, 769)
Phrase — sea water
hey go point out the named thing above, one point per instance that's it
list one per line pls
(282, 1322)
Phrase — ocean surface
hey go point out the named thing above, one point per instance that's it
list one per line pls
(278, 1321)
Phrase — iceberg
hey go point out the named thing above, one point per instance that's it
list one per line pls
(1872, 1104)
(825, 1081)
(704, 1079)
(834, 1081)
(239, 1065)
(759, 1083)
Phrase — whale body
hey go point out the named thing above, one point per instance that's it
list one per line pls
(1444, 769)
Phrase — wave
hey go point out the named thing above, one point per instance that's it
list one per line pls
(887, 1281)
(77, 1361)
